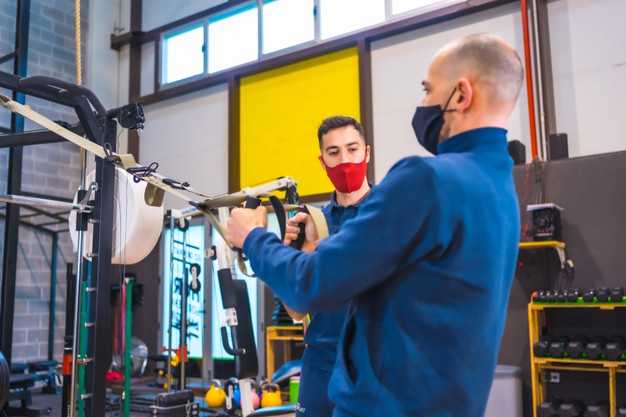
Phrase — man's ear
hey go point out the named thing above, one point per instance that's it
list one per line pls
(367, 154)
(321, 159)
(465, 95)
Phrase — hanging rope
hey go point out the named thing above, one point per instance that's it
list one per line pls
(79, 69)
(79, 63)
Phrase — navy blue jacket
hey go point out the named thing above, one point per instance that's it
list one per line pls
(428, 262)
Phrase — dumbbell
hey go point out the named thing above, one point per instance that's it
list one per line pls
(621, 411)
(595, 348)
(617, 294)
(615, 348)
(551, 296)
(589, 295)
(599, 410)
(574, 408)
(549, 408)
(561, 296)
(557, 347)
(572, 295)
(602, 295)
(576, 347)
(540, 297)
(540, 348)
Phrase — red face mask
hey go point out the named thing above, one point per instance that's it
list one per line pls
(348, 177)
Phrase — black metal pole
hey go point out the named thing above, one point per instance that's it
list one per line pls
(68, 348)
(14, 186)
(53, 293)
(99, 343)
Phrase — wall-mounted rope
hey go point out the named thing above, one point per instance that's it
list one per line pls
(79, 69)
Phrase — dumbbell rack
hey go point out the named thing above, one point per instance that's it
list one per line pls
(538, 365)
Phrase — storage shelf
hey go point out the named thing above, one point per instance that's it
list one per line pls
(539, 365)
(579, 304)
(284, 335)
(603, 363)
(557, 245)
(542, 244)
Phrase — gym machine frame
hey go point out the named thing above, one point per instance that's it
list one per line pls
(100, 127)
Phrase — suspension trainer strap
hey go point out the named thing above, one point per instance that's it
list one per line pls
(156, 185)
(319, 220)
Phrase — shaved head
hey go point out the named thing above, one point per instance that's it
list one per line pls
(488, 61)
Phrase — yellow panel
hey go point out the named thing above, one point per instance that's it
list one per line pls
(281, 110)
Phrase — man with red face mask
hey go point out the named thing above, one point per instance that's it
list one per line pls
(344, 156)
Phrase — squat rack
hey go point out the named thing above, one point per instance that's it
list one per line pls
(100, 127)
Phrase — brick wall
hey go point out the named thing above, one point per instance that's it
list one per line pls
(48, 169)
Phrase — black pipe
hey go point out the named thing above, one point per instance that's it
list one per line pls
(14, 186)
(53, 290)
(65, 89)
(69, 340)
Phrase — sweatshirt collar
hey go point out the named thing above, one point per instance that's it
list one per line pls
(484, 138)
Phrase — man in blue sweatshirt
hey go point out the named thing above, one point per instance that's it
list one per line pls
(344, 157)
(429, 259)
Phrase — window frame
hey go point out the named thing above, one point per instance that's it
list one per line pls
(242, 7)
(231, 7)
(296, 47)
(320, 10)
(162, 73)
(419, 10)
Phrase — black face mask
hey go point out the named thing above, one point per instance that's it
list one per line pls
(427, 123)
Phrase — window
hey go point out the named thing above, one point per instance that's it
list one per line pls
(183, 54)
(287, 23)
(194, 245)
(217, 348)
(244, 34)
(338, 17)
(233, 38)
(401, 6)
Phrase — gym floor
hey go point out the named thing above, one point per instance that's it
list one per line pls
(140, 405)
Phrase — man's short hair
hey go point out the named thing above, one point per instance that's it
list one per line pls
(335, 122)
(491, 59)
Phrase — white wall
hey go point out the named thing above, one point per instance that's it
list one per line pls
(188, 137)
(589, 71)
(147, 69)
(107, 70)
(160, 12)
(399, 64)
(589, 65)
(103, 71)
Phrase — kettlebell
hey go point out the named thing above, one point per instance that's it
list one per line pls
(237, 396)
(270, 395)
(215, 396)
(256, 400)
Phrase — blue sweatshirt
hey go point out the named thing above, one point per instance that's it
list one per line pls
(428, 262)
